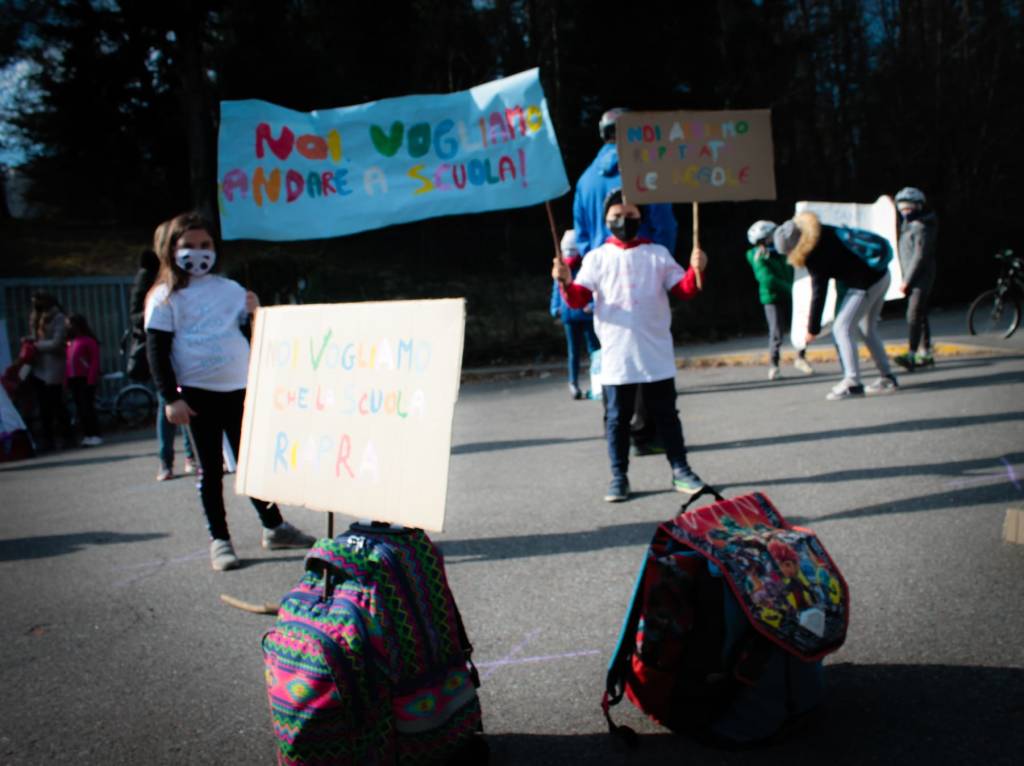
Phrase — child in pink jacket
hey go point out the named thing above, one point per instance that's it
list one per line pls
(82, 375)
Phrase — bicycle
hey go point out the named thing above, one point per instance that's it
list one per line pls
(997, 311)
(133, 404)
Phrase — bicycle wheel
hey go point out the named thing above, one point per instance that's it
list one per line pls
(134, 405)
(992, 315)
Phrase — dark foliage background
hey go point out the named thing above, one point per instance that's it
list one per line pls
(119, 119)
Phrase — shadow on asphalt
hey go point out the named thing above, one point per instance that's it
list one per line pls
(957, 473)
(938, 501)
(933, 424)
(523, 546)
(49, 461)
(828, 372)
(880, 714)
(916, 385)
(471, 447)
(46, 546)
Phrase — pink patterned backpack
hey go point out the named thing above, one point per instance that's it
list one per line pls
(369, 662)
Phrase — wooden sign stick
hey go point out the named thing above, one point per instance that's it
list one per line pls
(696, 242)
(554, 230)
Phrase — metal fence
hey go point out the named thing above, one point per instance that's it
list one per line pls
(103, 301)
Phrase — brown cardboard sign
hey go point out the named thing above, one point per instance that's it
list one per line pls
(696, 156)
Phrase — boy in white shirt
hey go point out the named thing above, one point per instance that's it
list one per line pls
(629, 279)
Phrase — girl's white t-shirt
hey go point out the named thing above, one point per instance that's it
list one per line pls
(632, 317)
(209, 350)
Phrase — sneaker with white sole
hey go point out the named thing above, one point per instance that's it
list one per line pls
(618, 490)
(284, 535)
(686, 481)
(803, 365)
(222, 556)
(165, 473)
(883, 385)
(773, 372)
(844, 390)
(92, 441)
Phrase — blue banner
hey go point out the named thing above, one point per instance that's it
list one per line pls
(284, 175)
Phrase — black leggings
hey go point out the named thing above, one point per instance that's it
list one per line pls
(219, 412)
(917, 318)
(50, 399)
(85, 404)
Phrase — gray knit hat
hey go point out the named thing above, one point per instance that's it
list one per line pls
(786, 236)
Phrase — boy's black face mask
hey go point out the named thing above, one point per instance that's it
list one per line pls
(624, 229)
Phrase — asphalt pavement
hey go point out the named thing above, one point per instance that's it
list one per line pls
(118, 650)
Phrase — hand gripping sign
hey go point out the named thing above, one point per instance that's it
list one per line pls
(696, 156)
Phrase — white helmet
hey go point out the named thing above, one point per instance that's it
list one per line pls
(760, 231)
(606, 125)
(910, 194)
(568, 244)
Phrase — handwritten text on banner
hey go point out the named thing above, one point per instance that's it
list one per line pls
(285, 175)
(349, 408)
(696, 156)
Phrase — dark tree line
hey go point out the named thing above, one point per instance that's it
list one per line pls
(120, 110)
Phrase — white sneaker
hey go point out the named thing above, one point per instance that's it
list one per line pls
(773, 372)
(844, 390)
(92, 441)
(881, 386)
(222, 556)
(803, 365)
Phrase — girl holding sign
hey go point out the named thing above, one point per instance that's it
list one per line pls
(199, 358)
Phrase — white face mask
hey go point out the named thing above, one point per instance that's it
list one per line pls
(195, 262)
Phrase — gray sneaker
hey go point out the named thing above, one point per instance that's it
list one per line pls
(885, 385)
(618, 490)
(222, 556)
(286, 536)
(686, 481)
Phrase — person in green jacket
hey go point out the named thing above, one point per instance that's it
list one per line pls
(775, 284)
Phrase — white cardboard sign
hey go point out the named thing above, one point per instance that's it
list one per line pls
(349, 408)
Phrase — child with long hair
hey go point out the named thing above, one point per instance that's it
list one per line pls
(83, 373)
(48, 328)
(199, 358)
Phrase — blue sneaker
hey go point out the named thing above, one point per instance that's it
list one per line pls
(618, 490)
(686, 481)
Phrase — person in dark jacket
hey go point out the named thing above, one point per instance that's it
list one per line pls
(659, 225)
(149, 266)
(578, 323)
(809, 244)
(919, 228)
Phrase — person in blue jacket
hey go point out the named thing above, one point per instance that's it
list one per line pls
(659, 225)
(578, 323)
(597, 182)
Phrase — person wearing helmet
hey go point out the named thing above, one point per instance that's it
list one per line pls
(597, 181)
(918, 234)
(775, 286)
(658, 225)
(808, 243)
(578, 323)
(629, 279)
